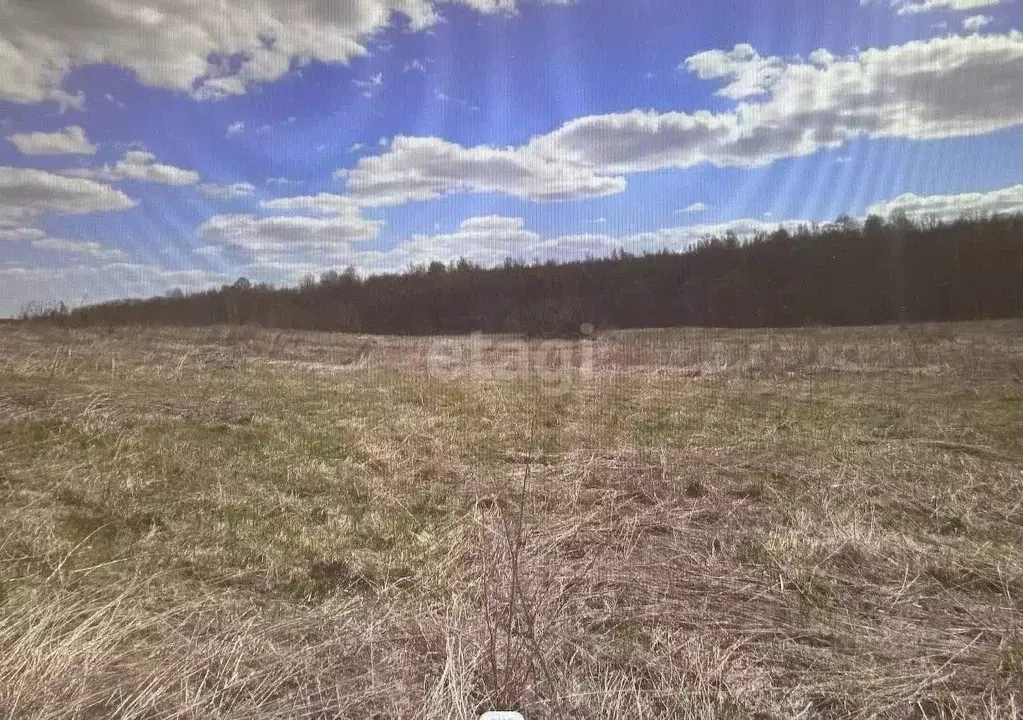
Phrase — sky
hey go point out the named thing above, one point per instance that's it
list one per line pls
(148, 145)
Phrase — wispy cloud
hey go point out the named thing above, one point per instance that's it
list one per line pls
(229, 191)
(370, 85)
(975, 23)
(69, 141)
(696, 207)
(415, 65)
(139, 166)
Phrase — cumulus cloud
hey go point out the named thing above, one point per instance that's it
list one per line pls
(25, 194)
(427, 168)
(484, 240)
(277, 236)
(321, 204)
(749, 74)
(181, 47)
(938, 88)
(139, 166)
(492, 224)
(943, 87)
(228, 191)
(639, 140)
(69, 141)
(949, 207)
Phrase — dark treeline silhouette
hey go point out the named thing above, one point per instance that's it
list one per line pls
(842, 273)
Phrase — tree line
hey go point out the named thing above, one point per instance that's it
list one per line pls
(841, 273)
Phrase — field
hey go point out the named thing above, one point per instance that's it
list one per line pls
(243, 523)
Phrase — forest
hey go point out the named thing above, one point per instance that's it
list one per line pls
(844, 273)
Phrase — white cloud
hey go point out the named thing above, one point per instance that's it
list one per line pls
(685, 236)
(696, 207)
(944, 87)
(95, 283)
(427, 168)
(492, 223)
(38, 239)
(235, 128)
(489, 240)
(228, 191)
(485, 240)
(338, 222)
(288, 247)
(374, 81)
(915, 7)
(172, 45)
(282, 182)
(321, 204)
(750, 74)
(25, 194)
(77, 247)
(938, 88)
(69, 141)
(503, 6)
(821, 56)
(288, 236)
(445, 98)
(640, 140)
(139, 166)
(949, 207)
(19, 234)
(975, 23)
(491, 248)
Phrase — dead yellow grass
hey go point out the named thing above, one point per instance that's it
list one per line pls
(238, 523)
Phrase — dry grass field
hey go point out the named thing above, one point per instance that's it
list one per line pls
(240, 523)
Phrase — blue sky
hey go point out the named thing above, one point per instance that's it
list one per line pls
(153, 144)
